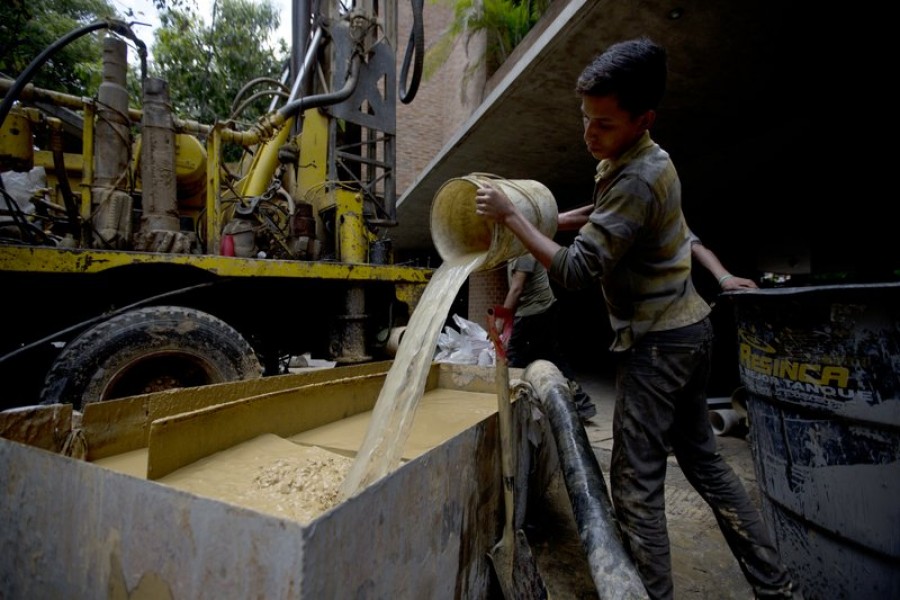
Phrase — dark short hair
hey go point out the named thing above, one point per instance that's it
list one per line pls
(634, 71)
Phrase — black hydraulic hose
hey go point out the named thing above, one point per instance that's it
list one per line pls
(415, 45)
(65, 189)
(29, 230)
(612, 569)
(253, 98)
(302, 104)
(249, 85)
(25, 76)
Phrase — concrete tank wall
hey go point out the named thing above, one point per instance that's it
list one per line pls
(73, 529)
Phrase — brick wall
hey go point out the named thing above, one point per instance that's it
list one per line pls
(445, 98)
(486, 289)
(443, 102)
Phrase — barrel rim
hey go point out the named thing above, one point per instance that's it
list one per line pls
(786, 291)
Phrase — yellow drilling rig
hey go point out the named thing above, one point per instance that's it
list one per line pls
(142, 260)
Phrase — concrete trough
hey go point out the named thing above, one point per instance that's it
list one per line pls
(75, 528)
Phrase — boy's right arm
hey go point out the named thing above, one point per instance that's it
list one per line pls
(495, 205)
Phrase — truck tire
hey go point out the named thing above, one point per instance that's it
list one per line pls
(147, 350)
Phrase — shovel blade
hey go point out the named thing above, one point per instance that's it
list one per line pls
(516, 569)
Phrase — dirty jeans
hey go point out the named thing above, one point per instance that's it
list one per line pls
(661, 408)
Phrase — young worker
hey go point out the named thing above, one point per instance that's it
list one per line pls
(638, 246)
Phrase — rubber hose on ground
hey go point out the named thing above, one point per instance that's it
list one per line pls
(612, 569)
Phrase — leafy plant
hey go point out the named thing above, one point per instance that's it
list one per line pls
(207, 65)
(505, 23)
(29, 27)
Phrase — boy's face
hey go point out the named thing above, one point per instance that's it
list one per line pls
(608, 129)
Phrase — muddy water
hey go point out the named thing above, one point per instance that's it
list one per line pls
(132, 463)
(268, 474)
(396, 405)
(441, 414)
(301, 477)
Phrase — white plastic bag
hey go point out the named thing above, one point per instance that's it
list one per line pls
(468, 346)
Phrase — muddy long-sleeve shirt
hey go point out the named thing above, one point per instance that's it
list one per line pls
(637, 245)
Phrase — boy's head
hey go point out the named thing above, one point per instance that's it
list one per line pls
(633, 71)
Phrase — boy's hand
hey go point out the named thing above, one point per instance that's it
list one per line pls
(493, 204)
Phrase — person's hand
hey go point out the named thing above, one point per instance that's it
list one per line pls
(493, 204)
(733, 282)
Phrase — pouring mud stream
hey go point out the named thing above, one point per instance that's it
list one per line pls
(405, 382)
(467, 243)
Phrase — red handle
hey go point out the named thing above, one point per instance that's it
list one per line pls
(500, 338)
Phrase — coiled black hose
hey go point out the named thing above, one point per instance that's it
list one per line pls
(415, 45)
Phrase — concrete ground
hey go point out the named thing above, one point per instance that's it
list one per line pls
(702, 564)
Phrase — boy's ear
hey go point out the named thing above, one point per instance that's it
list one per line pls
(648, 118)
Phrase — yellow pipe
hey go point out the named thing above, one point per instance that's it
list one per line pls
(87, 173)
(213, 183)
(313, 172)
(265, 162)
(353, 239)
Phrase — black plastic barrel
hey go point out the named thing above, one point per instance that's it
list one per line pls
(821, 366)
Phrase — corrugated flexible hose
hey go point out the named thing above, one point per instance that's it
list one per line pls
(612, 569)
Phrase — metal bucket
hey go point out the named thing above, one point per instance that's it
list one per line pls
(821, 367)
(457, 231)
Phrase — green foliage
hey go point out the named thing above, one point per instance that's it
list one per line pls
(206, 65)
(437, 54)
(504, 22)
(29, 27)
